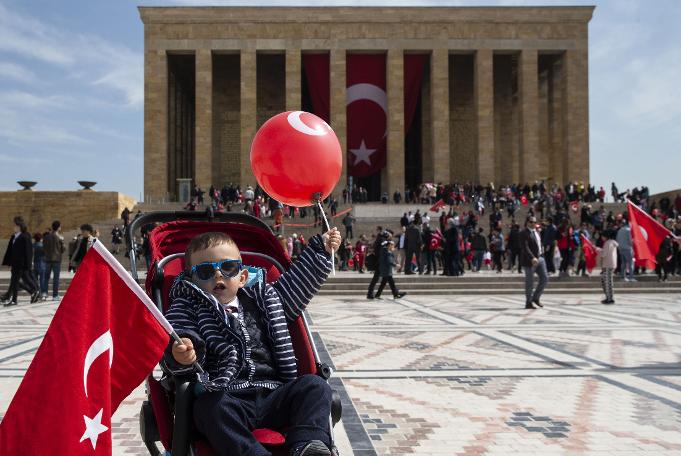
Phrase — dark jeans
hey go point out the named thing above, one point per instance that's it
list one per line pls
(390, 281)
(51, 267)
(372, 284)
(303, 406)
(430, 262)
(512, 259)
(21, 278)
(498, 258)
(348, 232)
(548, 256)
(407, 262)
(531, 293)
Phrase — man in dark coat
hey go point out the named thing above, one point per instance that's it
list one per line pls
(532, 261)
(19, 256)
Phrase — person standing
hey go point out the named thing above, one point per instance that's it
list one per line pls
(386, 263)
(83, 244)
(514, 247)
(39, 263)
(625, 248)
(664, 258)
(497, 247)
(116, 239)
(348, 222)
(479, 247)
(532, 261)
(549, 239)
(19, 257)
(381, 236)
(608, 254)
(413, 244)
(53, 243)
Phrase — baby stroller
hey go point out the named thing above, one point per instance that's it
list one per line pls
(166, 415)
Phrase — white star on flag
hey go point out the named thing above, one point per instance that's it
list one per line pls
(93, 427)
(362, 154)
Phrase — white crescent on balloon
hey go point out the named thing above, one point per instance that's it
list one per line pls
(296, 122)
(369, 92)
(98, 347)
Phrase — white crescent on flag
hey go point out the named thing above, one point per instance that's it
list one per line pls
(644, 233)
(98, 347)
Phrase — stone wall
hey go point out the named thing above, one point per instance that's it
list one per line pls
(73, 208)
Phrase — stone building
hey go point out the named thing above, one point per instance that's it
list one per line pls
(502, 92)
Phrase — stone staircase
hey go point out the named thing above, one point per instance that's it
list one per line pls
(354, 284)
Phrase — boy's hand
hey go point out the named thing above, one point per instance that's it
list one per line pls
(184, 353)
(332, 240)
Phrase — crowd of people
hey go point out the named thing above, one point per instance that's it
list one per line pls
(454, 243)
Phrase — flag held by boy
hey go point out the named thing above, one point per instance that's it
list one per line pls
(104, 339)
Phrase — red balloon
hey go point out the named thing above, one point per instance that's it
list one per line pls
(295, 155)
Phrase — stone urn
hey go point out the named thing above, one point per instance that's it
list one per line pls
(26, 184)
(87, 185)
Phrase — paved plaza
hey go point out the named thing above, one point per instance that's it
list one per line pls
(468, 375)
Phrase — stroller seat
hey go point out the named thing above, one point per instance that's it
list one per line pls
(166, 415)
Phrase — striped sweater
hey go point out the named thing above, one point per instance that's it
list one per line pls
(223, 350)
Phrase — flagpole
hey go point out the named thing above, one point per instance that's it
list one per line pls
(139, 292)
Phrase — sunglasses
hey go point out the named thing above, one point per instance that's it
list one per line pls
(206, 271)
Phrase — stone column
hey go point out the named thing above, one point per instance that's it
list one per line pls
(577, 115)
(439, 89)
(529, 118)
(338, 109)
(156, 185)
(293, 69)
(203, 123)
(395, 148)
(484, 105)
(248, 108)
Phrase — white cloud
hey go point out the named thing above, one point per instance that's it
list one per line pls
(87, 58)
(12, 71)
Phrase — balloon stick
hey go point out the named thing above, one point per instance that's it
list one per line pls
(328, 227)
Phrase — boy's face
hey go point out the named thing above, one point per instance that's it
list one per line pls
(223, 288)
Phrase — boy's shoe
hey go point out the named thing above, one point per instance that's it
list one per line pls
(370, 296)
(9, 303)
(608, 301)
(400, 294)
(311, 448)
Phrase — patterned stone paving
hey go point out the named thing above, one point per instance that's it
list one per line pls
(468, 375)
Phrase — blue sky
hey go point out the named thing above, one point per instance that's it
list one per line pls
(71, 90)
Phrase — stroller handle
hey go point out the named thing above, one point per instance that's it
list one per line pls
(172, 216)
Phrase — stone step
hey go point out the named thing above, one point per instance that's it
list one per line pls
(500, 291)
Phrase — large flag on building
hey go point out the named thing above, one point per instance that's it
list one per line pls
(367, 113)
(104, 339)
(646, 234)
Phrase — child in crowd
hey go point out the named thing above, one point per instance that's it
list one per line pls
(608, 254)
(239, 336)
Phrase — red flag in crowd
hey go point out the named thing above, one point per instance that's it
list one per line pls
(438, 204)
(646, 234)
(104, 339)
(590, 253)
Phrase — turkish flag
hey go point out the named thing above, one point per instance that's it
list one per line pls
(590, 253)
(367, 114)
(438, 204)
(104, 339)
(646, 234)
